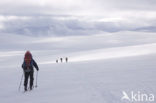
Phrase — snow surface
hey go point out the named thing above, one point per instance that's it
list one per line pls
(100, 67)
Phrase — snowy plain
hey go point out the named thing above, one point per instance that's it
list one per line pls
(100, 67)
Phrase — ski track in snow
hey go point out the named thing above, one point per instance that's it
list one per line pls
(83, 82)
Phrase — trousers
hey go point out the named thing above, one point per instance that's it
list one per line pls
(28, 75)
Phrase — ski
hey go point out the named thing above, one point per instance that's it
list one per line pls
(27, 91)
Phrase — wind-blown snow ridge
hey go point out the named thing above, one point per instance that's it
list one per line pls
(116, 52)
(11, 53)
(108, 53)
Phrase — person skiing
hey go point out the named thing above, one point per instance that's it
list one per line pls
(61, 59)
(56, 61)
(27, 66)
(66, 59)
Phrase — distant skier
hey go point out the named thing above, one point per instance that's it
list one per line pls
(61, 59)
(66, 59)
(56, 61)
(28, 69)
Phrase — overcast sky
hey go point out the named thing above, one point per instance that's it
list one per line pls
(76, 17)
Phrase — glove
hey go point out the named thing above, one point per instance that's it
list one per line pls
(37, 69)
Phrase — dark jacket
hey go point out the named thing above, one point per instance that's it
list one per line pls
(31, 67)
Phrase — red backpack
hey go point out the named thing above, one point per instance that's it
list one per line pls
(28, 59)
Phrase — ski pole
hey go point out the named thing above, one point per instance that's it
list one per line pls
(36, 79)
(20, 82)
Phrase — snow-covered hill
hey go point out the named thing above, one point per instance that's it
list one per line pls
(100, 68)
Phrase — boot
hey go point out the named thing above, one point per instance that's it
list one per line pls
(31, 88)
(25, 88)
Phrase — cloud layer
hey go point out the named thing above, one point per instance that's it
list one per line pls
(76, 17)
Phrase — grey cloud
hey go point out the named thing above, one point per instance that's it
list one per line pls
(49, 25)
(44, 16)
(129, 4)
(45, 26)
(44, 7)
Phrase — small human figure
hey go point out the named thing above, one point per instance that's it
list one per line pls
(56, 61)
(61, 60)
(28, 68)
(66, 59)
